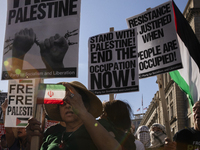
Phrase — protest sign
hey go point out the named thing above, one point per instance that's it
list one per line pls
(3, 96)
(41, 39)
(113, 62)
(158, 47)
(20, 102)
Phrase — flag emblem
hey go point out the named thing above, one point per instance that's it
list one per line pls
(21, 121)
(51, 94)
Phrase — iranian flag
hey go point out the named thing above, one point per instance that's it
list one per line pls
(188, 78)
(51, 94)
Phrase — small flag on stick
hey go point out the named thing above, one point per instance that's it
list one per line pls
(51, 94)
(145, 108)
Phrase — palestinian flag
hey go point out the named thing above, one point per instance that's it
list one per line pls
(21, 121)
(51, 94)
(188, 78)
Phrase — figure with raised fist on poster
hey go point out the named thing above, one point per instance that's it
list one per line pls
(53, 51)
(22, 43)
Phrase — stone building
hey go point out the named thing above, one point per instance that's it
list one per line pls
(177, 103)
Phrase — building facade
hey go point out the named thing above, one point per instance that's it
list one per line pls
(177, 104)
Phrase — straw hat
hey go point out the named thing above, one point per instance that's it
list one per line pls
(95, 104)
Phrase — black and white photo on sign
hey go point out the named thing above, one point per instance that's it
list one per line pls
(41, 39)
(113, 65)
(158, 47)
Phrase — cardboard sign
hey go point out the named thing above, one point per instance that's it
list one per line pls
(41, 39)
(113, 62)
(158, 47)
(20, 102)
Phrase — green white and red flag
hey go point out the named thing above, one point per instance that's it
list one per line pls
(51, 94)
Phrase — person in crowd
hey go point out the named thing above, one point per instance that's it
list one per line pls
(189, 138)
(15, 137)
(119, 113)
(58, 127)
(157, 135)
(55, 128)
(139, 145)
(143, 135)
(4, 142)
(83, 131)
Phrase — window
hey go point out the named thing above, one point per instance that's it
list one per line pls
(171, 112)
(167, 100)
(170, 95)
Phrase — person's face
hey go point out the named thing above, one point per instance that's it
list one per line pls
(67, 114)
(21, 132)
(156, 129)
(3, 143)
(196, 113)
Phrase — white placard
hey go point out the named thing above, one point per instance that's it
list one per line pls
(158, 48)
(113, 62)
(20, 102)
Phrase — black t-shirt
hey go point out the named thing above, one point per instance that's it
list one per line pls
(187, 139)
(54, 129)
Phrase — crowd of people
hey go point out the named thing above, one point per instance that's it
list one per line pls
(85, 123)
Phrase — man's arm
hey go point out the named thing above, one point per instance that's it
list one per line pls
(10, 138)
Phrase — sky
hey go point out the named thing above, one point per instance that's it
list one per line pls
(97, 17)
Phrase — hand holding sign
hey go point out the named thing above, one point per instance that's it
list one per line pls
(4, 105)
(53, 51)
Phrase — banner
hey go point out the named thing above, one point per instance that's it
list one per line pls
(20, 102)
(3, 96)
(41, 39)
(158, 48)
(113, 62)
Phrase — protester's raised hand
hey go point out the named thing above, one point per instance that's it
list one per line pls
(169, 145)
(75, 100)
(23, 41)
(4, 105)
(53, 51)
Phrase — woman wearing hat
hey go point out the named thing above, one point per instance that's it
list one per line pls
(83, 131)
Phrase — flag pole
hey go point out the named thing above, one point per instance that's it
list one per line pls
(142, 103)
(35, 140)
(164, 105)
(111, 96)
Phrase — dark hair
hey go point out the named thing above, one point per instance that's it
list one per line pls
(119, 113)
(3, 136)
